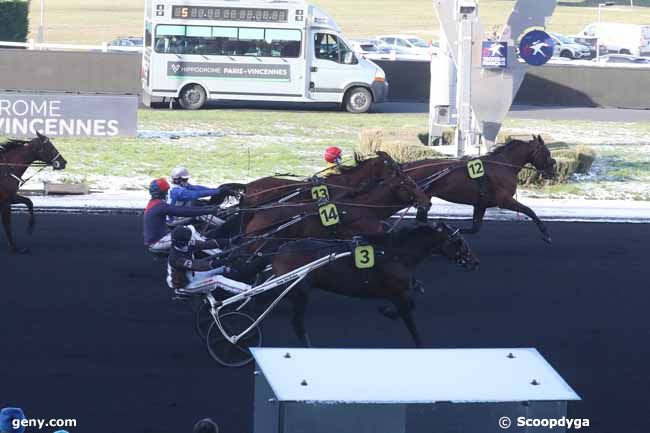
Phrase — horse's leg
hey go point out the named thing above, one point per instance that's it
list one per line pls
(19, 199)
(300, 299)
(477, 220)
(514, 205)
(405, 307)
(6, 223)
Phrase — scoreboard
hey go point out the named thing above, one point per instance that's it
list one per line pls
(230, 14)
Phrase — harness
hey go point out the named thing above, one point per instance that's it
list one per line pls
(20, 180)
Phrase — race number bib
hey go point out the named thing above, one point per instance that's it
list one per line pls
(320, 192)
(364, 257)
(475, 168)
(329, 215)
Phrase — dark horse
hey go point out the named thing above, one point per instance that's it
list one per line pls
(15, 157)
(361, 211)
(396, 257)
(449, 179)
(271, 189)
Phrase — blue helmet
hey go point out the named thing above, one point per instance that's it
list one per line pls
(7, 416)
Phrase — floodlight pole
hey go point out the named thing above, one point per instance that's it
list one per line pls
(465, 134)
(41, 32)
(600, 7)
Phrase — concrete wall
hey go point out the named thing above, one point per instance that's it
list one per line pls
(88, 72)
(67, 71)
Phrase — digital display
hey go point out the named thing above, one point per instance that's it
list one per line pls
(230, 14)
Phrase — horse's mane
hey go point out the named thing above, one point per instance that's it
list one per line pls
(503, 147)
(358, 159)
(11, 144)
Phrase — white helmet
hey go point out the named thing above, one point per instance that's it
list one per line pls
(180, 172)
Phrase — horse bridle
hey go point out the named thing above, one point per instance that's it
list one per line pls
(53, 163)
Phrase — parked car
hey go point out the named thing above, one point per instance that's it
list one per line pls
(369, 46)
(409, 44)
(565, 47)
(621, 38)
(123, 42)
(624, 59)
(590, 42)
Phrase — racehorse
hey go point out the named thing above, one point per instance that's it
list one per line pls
(396, 257)
(269, 189)
(359, 212)
(496, 184)
(15, 157)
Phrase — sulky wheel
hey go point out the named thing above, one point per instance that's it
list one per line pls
(202, 320)
(226, 353)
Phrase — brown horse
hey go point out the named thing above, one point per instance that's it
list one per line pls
(15, 157)
(360, 212)
(449, 179)
(396, 258)
(272, 189)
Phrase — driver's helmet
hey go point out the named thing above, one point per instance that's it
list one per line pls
(158, 188)
(180, 175)
(181, 238)
(333, 155)
(8, 416)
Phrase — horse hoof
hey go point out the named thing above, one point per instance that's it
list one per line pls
(20, 251)
(388, 312)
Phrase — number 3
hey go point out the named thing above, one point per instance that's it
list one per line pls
(364, 257)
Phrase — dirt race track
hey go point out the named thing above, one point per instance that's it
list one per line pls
(88, 329)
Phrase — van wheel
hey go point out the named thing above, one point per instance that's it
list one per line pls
(192, 97)
(566, 54)
(358, 100)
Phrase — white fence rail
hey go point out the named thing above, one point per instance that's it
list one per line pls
(104, 47)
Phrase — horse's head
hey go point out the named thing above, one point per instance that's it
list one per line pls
(403, 187)
(451, 244)
(44, 151)
(541, 157)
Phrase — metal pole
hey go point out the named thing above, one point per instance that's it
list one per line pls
(464, 133)
(598, 35)
(41, 31)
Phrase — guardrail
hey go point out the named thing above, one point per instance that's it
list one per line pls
(104, 47)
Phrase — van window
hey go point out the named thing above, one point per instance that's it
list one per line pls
(402, 43)
(228, 41)
(329, 47)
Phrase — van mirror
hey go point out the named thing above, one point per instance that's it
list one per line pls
(349, 58)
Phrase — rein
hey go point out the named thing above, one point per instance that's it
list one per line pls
(21, 181)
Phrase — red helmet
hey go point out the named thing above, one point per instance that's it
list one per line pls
(332, 154)
(158, 188)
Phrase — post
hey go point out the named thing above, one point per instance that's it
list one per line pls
(41, 30)
(465, 132)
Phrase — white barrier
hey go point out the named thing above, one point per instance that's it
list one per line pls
(398, 391)
(104, 47)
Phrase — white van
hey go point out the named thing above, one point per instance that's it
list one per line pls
(621, 38)
(256, 50)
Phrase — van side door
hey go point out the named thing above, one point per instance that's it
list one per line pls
(333, 66)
